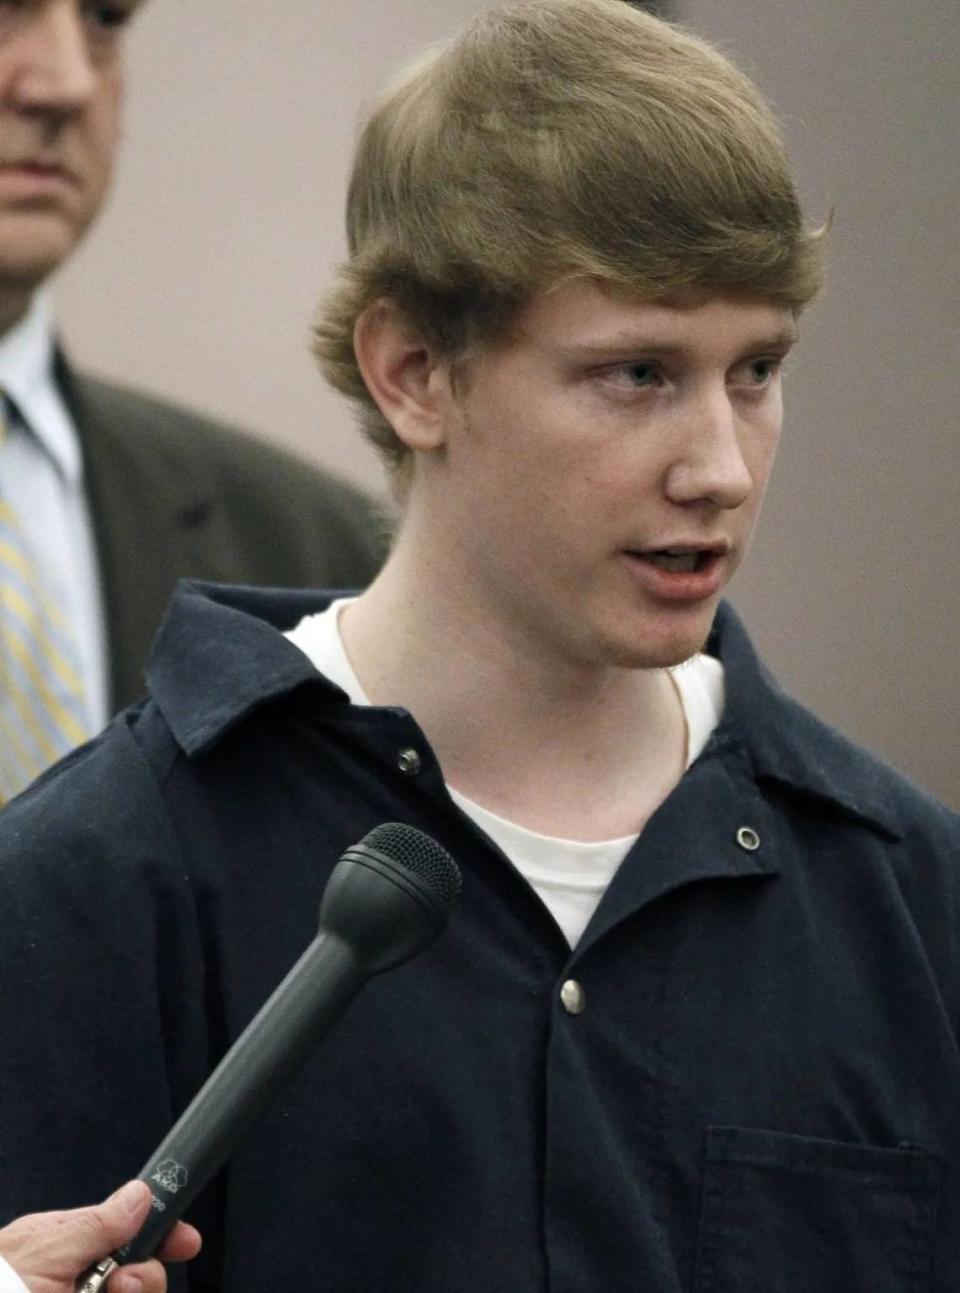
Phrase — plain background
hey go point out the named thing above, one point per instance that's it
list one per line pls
(201, 279)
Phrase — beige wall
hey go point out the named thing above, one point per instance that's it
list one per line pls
(201, 278)
(854, 587)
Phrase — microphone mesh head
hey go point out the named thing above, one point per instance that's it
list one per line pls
(422, 856)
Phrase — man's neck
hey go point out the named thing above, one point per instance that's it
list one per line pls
(563, 749)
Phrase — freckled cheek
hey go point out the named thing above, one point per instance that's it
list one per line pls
(545, 509)
(759, 449)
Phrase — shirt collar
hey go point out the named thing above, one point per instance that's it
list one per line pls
(221, 654)
(26, 374)
(786, 743)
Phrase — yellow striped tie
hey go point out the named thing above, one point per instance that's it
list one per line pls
(42, 709)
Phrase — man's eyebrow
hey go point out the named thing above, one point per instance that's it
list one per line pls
(782, 339)
(778, 341)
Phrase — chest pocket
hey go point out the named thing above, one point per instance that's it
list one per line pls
(789, 1214)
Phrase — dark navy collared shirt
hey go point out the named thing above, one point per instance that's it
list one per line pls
(758, 1089)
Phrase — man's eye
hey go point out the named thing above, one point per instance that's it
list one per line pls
(642, 374)
(757, 374)
(629, 378)
(635, 376)
(760, 372)
(109, 17)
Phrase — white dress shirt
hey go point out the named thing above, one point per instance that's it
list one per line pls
(41, 476)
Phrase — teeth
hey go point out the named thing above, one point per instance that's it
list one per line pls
(682, 562)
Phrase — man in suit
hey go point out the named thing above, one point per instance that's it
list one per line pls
(112, 496)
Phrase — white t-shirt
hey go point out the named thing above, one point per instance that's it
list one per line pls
(569, 876)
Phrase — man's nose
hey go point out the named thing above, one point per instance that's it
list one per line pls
(710, 466)
(52, 68)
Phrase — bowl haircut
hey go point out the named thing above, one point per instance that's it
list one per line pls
(559, 139)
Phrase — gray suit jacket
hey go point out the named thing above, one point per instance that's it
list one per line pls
(176, 495)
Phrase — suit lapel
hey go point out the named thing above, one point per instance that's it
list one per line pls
(149, 522)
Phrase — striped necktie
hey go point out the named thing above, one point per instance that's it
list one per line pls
(42, 709)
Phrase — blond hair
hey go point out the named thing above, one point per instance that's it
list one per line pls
(559, 138)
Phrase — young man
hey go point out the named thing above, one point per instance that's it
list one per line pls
(693, 1025)
(107, 497)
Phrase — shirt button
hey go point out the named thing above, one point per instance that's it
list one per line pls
(408, 761)
(573, 997)
(748, 839)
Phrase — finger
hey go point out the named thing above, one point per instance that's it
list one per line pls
(182, 1243)
(123, 1214)
(83, 1235)
(144, 1277)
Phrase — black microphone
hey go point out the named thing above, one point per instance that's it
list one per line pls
(386, 900)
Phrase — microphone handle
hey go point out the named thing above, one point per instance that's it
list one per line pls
(272, 1048)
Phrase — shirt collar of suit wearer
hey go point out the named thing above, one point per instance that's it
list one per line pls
(221, 654)
(26, 375)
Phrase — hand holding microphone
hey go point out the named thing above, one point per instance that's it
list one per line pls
(47, 1250)
(386, 900)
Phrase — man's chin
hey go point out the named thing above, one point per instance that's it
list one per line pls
(664, 651)
(32, 248)
(654, 660)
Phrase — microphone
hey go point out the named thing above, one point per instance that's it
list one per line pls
(387, 899)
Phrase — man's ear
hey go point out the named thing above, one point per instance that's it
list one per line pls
(410, 384)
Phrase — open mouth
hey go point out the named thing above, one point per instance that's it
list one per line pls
(683, 562)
